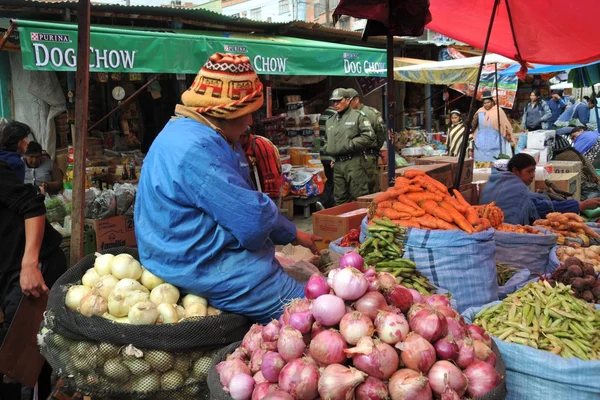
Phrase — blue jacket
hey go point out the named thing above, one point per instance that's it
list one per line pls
(540, 115)
(579, 111)
(16, 163)
(556, 108)
(202, 227)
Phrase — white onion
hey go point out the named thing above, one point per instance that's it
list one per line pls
(180, 312)
(164, 293)
(120, 301)
(90, 278)
(106, 285)
(74, 296)
(150, 280)
(131, 284)
(167, 314)
(213, 311)
(125, 266)
(103, 263)
(196, 310)
(143, 313)
(147, 383)
(171, 380)
(93, 304)
(190, 299)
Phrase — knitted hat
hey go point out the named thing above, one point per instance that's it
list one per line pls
(226, 87)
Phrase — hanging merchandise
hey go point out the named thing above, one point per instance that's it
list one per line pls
(115, 76)
(135, 77)
(102, 77)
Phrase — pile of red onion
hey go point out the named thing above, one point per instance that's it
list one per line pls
(360, 335)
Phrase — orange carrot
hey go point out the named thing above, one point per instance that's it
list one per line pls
(403, 208)
(434, 209)
(458, 218)
(419, 197)
(486, 223)
(393, 214)
(401, 181)
(428, 221)
(456, 204)
(383, 196)
(441, 224)
(460, 198)
(379, 212)
(408, 223)
(427, 185)
(408, 202)
(414, 189)
(385, 204)
(411, 173)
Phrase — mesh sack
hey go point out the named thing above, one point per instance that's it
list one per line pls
(109, 371)
(205, 333)
(217, 392)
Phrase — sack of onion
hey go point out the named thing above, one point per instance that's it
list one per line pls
(352, 337)
(129, 306)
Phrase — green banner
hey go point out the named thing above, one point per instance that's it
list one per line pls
(49, 46)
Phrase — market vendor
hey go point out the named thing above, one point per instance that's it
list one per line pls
(41, 171)
(562, 150)
(200, 224)
(456, 133)
(493, 131)
(579, 114)
(510, 191)
(585, 142)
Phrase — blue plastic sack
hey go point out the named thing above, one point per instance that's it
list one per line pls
(514, 283)
(336, 248)
(538, 374)
(523, 250)
(363, 230)
(461, 263)
(554, 262)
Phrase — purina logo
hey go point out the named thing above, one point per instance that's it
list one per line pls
(351, 56)
(50, 37)
(235, 49)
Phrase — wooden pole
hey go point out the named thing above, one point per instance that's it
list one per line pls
(81, 117)
(7, 34)
(391, 104)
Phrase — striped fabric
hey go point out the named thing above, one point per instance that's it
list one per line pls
(262, 153)
(455, 138)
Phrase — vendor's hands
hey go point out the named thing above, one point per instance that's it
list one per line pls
(32, 281)
(589, 204)
(307, 240)
(43, 188)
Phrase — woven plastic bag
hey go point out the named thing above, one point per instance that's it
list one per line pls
(336, 248)
(514, 283)
(523, 250)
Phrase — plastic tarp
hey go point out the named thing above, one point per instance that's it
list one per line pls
(539, 69)
(536, 25)
(463, 70)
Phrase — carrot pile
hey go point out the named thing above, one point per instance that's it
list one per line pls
(419, 201)
(492, 212)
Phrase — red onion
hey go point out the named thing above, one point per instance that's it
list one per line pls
(437, 300)
(466, 353)
(354, 326)
(349, 309)
(283, 318)
(445, 373)
(449, 394)
(332, 275)
(350, 284)
(446, 348)
(374, 357)
(372, 389)
(240, 353)
(484, 353)
(299, 378)
(400, 297)
(253, 339)
(302, 321)
(272, 363)
(482, 378)
(316, 329)
(278, 395)
(338, 382)
(328, 348)
(371, 303)
(316, 286)
(353, 260)
(299, 305)
(328, 309)
(446, 311)
(290, 344)
(256, 360)
(270, 332)
(417, 297)
(415, 309)
(269, 346)
(241, 387)
(455, 328)
(227, 369)
(259, 377)
(407, 384)
(478, 333)
(417, 352)
(370, 272)
(391, 328)
(373, 284)
(386, 281)
(262, 389)
(429, 324)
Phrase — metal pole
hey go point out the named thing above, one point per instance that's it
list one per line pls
(81, 118)
(391, 104)
(428, 107)
(465, 143)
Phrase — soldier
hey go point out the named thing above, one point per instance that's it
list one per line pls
(326, 121)
(348, 141)
(374, 117)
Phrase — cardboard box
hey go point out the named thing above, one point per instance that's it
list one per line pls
(333, 223)
(365, 201)
(545, 155)
(113, 232)
(540, 139)
(567, 182)
(566, 167)
(482, 174)
(533, 153)
(467, 171)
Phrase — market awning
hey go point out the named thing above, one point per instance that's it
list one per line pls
(51, 46)
(539, 69)
(462, 70)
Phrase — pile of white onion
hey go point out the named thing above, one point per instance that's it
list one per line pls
(120, 289)
(362, 336)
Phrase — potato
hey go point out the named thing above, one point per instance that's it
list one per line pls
(570, 251)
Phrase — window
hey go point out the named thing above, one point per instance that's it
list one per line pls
(255, 14)
(284, 6)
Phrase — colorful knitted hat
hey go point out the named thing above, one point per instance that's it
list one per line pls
(226, 87)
